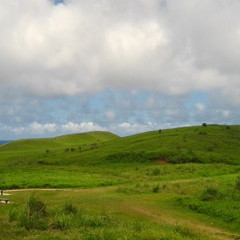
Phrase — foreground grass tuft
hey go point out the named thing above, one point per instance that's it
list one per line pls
(33, 216)
(67, 222)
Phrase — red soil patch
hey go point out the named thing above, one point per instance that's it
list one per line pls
(162, 160)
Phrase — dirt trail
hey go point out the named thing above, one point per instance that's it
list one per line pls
(164, 215)
(215, 233)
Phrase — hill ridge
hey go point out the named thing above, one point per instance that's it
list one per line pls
(196, 144)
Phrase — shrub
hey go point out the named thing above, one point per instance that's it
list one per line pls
(12, 215)
(156, 188)
(156, 171)
(210, 193)
(35, 205)
(33, 221)
(32, 217)
(138, 226)
(238, 183)
(69, 208)
(63, 221)
(93, 221)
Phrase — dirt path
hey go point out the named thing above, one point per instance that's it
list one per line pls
(215, 233)
(163, 215)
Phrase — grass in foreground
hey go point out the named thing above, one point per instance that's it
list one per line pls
(163, 210)
(38, 219)
(205, 189)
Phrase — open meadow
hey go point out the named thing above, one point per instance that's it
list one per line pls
(181, 183)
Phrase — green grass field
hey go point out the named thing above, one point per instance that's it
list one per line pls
(181, 183)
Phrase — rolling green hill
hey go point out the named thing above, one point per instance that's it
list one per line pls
(61, 141)
(213, 143)
(181, 183)
(102, 158)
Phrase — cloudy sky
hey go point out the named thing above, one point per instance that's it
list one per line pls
(124, 66)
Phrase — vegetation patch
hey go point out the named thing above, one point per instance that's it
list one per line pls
(67, 222)
(191, 172)
(219, 202)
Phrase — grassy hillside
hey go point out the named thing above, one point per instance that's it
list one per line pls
(31, 150)
(101, 158)
(209, 144)
(181, 183)
(61, 141)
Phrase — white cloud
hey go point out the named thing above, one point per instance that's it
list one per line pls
(82, 47)
(153, 54)
(200, 107)
(129, 129)
(16, 131)
(71, 127)
(226, 113)
(110, 116)
(51, 129)
(37, 128)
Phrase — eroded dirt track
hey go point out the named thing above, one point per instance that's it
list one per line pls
(215, 233)
(163, 215)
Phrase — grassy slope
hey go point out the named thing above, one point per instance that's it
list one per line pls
(29, 150)
(190, 144)
(218, 143)
(142, 189)
(102, 158)
(58, 142)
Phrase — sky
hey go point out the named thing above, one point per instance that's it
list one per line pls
(124, 66)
